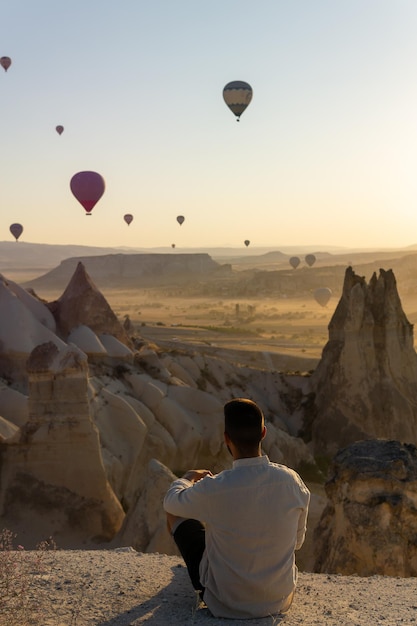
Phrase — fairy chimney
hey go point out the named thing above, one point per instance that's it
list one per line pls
(365, 384)
(82, 303)
(54, 472)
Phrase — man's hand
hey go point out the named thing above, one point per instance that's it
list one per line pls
(195, 475)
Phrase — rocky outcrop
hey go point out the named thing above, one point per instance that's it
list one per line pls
(83, 304)
(365, 384)
(24, 323)
(98, 424)
(370, 524)
(54, 474)
(132, 270)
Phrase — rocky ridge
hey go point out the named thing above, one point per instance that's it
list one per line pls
(152, 413)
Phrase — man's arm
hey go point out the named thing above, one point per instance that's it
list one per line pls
(195, 475)
(185, 496)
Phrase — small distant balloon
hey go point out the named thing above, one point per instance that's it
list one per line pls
(246, 242)
(310, 259)
(295, 262)
(16, 230)
(59, 129)
(5, 62)
(173, 245)
(128, 218)
(87, 187)
(237, 95)
(323, 295)
(180, 219)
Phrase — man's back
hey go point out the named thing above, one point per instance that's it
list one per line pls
(255, 517)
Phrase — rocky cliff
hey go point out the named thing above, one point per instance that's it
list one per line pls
(370, 524)
(365, 384)
(52, 470)
(98, 421)
(131, 270)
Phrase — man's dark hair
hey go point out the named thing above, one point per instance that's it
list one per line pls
(243, 423)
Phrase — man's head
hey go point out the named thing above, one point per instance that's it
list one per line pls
(244, 426)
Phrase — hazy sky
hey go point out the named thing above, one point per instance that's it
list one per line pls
(326, 153)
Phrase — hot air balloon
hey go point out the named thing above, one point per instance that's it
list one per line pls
(295, 262)
(128, 218)
(59, 129)
(246, 242)
(180, 219)
(237, 95)
(310, 259)
(323, 295)
(173, 245)
(5, 62)
(16, 230)
(87, 187)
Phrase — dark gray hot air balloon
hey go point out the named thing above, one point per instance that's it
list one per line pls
(310, 259)
(237, 95)
(180, 219)
(16, 230)
(5, 62)
(295, 262)
(323, 295)
(59, 129)
(246, 242)
(128, 218)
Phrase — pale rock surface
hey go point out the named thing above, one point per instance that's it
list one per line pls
(283, 448)
(365, 384)
(8, 431)
(122, 434)
(55, 472)
(178, 371)
(370, 524)
(115, 348)
(148, 360)
(20, 333)
(145, 525)
(38, 309)
(86, 340)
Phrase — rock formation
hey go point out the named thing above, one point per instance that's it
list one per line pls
(52, 470)
(24, 325)
(133, 270)
(370, 524)
(96, 421)
(83, 304)
(365, 384)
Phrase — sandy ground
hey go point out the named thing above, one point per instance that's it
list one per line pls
(122, 587)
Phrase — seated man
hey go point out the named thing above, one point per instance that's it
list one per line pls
(237, 530)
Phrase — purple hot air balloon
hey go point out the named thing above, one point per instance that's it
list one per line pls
(5, 62)
(16, 230)
(59, 129)
(128, 218)
(87, 187)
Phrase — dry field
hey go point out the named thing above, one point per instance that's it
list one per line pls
(285, 333)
